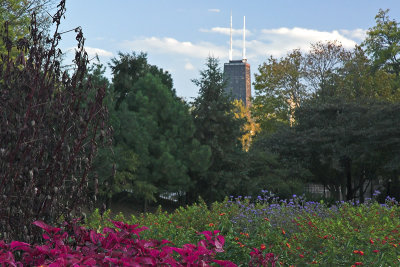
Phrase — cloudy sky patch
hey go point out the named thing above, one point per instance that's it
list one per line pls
(171, 46)
(180, 35)
(92, 52)
(226, 31)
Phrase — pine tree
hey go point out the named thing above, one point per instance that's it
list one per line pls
(217, 127)
(154, 145)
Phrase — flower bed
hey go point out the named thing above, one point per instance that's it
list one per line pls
(236, 232)
(295, 231)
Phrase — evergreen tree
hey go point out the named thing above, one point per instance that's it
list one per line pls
(154, 145)
(129, 68)
(217, 127)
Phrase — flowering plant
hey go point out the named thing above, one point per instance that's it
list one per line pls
(122, 246)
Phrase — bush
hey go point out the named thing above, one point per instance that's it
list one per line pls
(122, 247)
(49, 131)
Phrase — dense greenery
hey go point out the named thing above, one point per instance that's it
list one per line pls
(154, 148)
(297, 232)
(330, 116)
(218, 128)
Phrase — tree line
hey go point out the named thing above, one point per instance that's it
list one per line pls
(331, 115)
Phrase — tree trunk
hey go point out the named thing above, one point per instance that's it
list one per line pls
(347, 169)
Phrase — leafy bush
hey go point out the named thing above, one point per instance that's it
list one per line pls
(123, 247)
(49, 132)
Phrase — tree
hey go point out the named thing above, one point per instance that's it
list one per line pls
(48, 138)
(153, 127)
(104, 164)
(280, 89)
(16, 14)
(323, 63)
(344, 143)
(358, 79)
(128, 69)
(273, 167)
(382, 43)
(217, 128)
(250, 127)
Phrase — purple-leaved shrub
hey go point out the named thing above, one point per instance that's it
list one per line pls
(51, 122)
(75, 245)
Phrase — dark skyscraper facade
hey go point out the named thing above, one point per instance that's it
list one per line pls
(237, 74)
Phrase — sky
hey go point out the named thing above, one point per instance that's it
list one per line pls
(179, 35)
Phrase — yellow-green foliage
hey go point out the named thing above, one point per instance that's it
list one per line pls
(298, 232)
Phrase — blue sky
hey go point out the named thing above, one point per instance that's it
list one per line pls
(178, 35)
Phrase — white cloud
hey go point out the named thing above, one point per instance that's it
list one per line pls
(91, 51)
(359, 34)
(277, 42)
(214, 10)
(189, 66)
(166, 45)
(226, 31)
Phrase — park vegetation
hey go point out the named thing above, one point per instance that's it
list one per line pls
(71, 140)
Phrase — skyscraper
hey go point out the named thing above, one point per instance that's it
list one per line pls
(237, 73)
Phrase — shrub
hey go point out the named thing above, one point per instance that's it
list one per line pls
(49, 131)
(79, 246)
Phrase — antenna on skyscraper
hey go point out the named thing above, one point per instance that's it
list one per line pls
(230, 48)
(244, 37)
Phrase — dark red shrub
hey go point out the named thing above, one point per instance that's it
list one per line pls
(75, 245)
(49, 132)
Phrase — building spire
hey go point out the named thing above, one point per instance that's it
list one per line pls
(230, 47)
(244, 38)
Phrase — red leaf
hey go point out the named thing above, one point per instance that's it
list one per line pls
(225, 263)
(46, 227)
(7, 257)
(90, 262)
(17, 245)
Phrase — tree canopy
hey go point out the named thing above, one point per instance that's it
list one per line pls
(218, 128)
(15, 15)
(154, 147)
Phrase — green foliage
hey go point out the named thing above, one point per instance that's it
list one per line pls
(343, 143)
(154, 149)
(358, 79)
(339, 119)
(298, 232)
(279, 89)
(217, 128)
(271, 165)
(17, 15)
(129, 68)
(382, 43)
